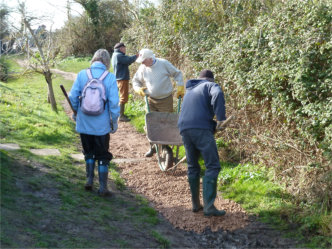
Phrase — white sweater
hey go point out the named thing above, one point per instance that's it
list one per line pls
(157, 78)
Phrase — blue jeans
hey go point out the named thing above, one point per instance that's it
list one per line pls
(201, 142)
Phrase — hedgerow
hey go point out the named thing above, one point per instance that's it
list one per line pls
(274, 62)
(285, 61)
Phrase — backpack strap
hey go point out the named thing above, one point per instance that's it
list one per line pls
(88, 71)
(103, 76)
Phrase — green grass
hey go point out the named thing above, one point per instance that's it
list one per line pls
(115, 176)
(74, 64)
(252, 187)
(27, 117)
(164, 242)
(135, 109)
(14, 67)
(43, 203)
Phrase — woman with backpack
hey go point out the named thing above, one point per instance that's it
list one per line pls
(94, 96)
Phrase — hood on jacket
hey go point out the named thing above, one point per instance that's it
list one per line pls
(195, 82)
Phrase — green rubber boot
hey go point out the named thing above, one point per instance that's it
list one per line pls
(209, 196)
(194, 189)
(103, 177)
(90, 173)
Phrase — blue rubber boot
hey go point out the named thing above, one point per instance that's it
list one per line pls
(194, 189)
(103, 177)
(90, 173)
(209, 195)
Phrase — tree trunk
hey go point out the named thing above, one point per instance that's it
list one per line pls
(43, 61)
(51, 97)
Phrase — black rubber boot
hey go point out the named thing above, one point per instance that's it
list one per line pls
(194, 189)
(90, 173)
(103, 177)
(123, 117)
(209, 195)
(151, 152)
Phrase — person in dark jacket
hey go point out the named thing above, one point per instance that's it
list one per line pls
(94, 130)
(203, 100)
(121, 62)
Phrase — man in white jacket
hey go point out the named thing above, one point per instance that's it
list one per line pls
(153, 78)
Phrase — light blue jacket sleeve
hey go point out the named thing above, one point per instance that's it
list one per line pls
(75, 91)
(113, 98)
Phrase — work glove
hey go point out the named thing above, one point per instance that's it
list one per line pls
(180, 92)
(73, 117)
(141, 91)
(114, 126)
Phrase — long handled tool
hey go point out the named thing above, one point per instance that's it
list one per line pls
(224, 124)
(65, 93)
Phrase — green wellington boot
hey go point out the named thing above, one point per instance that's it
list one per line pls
(194, 189)
(209, 195)
(90, 173)
(103, 177)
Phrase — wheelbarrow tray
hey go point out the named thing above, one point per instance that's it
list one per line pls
(161, 128)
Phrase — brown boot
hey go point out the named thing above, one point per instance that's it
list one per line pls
(123, 117)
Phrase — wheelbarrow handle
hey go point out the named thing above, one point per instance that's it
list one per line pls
(179, 104)
(147, 103)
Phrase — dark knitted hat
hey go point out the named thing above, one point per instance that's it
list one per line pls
(206, 74)
(119, 45)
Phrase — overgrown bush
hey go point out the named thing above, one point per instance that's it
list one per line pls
(274, 60)
(100, 26)
(279, 72)
(285, 62)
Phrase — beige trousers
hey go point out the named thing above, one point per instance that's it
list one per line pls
(161, 105)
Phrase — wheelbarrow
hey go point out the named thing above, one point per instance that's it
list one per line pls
(164, 135)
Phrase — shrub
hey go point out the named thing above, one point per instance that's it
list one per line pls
(274, 60)
(4, 67)
(284, 61)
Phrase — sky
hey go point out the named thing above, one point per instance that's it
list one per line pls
(53, 13)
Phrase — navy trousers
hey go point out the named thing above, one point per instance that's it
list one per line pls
(201, 142)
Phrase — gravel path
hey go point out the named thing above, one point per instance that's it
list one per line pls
(168, 193)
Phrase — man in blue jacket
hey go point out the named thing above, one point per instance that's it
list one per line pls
(94, 130)
(121, 62)
(203, 100)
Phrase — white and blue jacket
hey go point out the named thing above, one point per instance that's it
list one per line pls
(95, 125)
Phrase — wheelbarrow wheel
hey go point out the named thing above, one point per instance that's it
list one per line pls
(165, 157)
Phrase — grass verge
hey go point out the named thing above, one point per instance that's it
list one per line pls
(74, 64)
(43, 203)
(252, 187)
